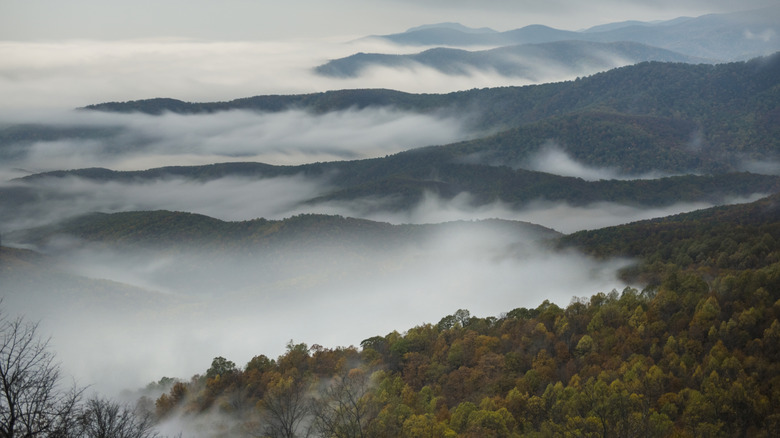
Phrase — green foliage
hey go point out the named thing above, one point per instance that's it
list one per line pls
(220, 367)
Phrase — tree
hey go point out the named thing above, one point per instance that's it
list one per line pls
(102, 418)
(220, 367)
(32, 401)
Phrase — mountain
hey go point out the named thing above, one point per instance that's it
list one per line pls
(447, 35)
(724, 37)
(181, 231)
(681, 118)
(401, 181)
(198, 255)
(743, 226)
(627, 23)
(533, 62)
(703, 123)
(449, 25)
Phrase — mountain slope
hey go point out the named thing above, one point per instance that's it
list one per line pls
(735, 237)
(401, 181)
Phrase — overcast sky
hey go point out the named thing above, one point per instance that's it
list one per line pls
(261, 19)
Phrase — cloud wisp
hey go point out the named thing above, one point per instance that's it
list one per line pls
(559, 216)
(551, 158)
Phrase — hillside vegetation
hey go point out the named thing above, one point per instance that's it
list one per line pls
(694, 354)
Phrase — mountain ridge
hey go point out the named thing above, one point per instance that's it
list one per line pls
(722, 36)
(531, 61)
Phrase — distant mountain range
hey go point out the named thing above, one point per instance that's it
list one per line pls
(540, 53)
(724, 37)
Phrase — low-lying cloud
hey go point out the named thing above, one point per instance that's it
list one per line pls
(139, 141)
(551, 158)
(237, 199)
(334, 298)
(226, 198)
(69, 74)
(559, 216)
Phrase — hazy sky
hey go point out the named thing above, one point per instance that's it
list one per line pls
(258, 19)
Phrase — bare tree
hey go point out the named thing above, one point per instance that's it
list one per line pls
(285, 407)
(345, 407)
(32, 401)
(103, 418)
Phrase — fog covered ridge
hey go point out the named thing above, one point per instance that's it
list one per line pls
(431, 189)
(536, 63)
(66, 140)
(272, 272)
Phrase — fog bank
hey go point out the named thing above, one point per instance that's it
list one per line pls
(76, 73)
(333, 297)
(140, 141)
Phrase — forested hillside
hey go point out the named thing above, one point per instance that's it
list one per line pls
(722, 238)
(693, 354)
(181, 232)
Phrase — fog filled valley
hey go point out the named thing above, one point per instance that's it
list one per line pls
(448, 231)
